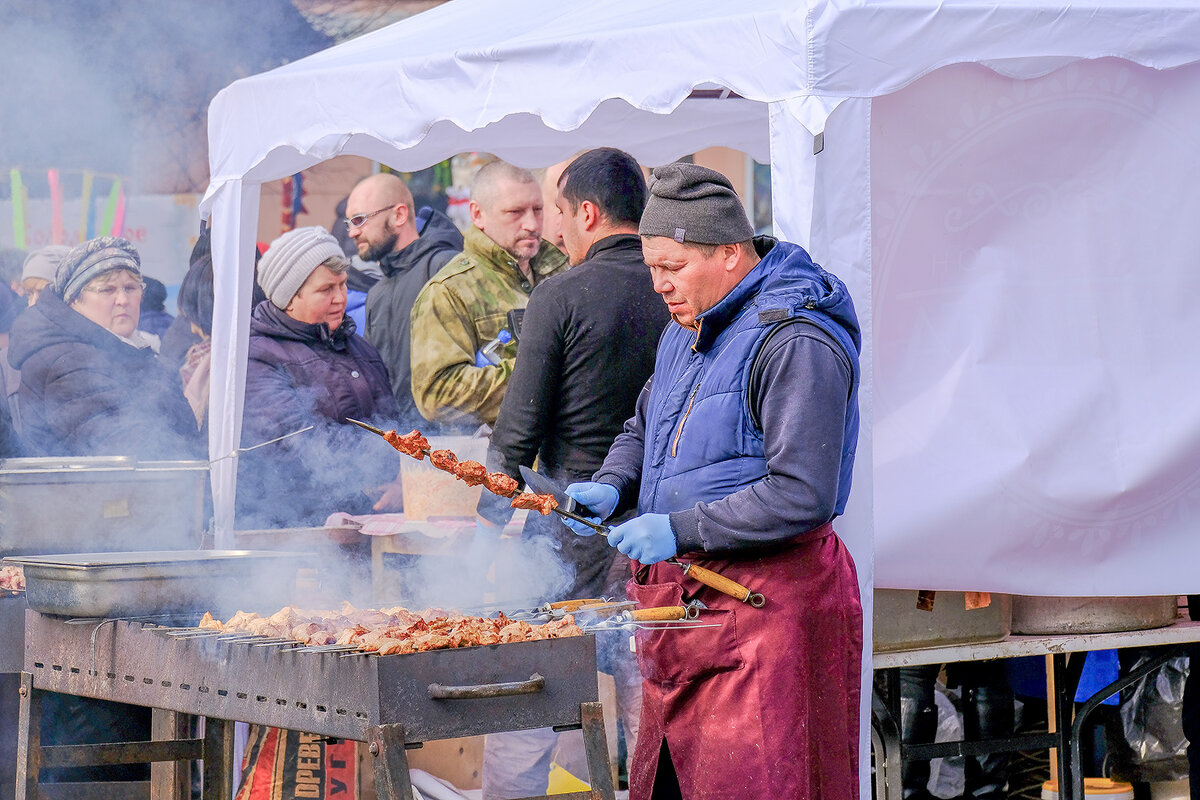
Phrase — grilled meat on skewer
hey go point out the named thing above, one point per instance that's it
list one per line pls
(472, 473)
(12, 579)
(412, 444)
(543, 503)
(443, 460)
(391, 630)
(501, 484)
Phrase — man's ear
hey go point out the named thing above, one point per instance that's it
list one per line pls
(591, 215)
(732, 253)
(401, 214)
(475, 211)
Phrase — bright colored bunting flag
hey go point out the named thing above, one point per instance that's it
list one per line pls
(56, 215)
(110, 208)
(87, 216)
(18, 203)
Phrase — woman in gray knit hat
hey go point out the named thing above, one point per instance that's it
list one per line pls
(307, 366)
(91, 383)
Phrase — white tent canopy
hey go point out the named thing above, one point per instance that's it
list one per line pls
(1003, 186)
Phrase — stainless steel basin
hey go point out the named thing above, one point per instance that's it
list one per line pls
(1064, 615)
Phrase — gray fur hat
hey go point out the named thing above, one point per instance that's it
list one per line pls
(92, 259)
(292, 258)
(689, 203)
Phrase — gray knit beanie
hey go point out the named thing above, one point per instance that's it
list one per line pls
(292, 258)
(91, 259)
(43, 262)
(689, 203)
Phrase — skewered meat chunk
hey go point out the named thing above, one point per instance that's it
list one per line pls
(443, 459)
(411, 444)
(471, 473)
(543, 503)
(499, 483)
(12, 579)
(209, 623)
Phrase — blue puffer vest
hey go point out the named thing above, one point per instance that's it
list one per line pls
(701, 443)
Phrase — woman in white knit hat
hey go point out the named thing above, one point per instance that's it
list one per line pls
(308, 367)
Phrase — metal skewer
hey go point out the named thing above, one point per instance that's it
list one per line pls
(706, 576)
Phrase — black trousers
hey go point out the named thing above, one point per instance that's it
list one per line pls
(987, 704)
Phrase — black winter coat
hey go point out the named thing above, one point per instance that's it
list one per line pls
(300, 374)
(390, 302)
(587, 347)
(85, 392)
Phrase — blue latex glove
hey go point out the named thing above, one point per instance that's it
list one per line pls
(647, 539)
(599, 497)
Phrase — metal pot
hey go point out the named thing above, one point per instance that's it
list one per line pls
(900, 625)
(100, 504)
(1057, 615)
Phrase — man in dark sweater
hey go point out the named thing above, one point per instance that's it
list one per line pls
(587, 346)
(410, 246)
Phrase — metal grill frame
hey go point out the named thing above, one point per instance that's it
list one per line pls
(332, 694)
(391, 702)
(12, 632)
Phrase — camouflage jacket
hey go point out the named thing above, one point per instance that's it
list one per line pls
(462, 308)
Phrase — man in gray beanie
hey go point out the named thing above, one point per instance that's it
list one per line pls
(738, 459)
(307, 366)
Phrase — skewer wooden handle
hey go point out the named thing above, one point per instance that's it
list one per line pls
(662, 613)
(575, 605)
(722, 584)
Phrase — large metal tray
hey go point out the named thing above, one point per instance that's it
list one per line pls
(103, 503)
(109, 585)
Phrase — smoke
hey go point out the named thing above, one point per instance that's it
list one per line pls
(124, 88)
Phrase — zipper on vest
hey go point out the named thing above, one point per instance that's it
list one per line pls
(678, 433)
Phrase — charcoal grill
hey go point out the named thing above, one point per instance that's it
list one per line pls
(392, 702)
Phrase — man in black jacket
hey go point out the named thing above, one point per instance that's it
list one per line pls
(410, 246)
(587, 346)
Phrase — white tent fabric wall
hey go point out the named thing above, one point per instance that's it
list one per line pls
(1035, 385)
(1019, 432)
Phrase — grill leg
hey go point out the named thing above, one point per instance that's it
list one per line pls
(170, 780)
(218, 759)
(596, 747)
(29, 741)
(386, 745)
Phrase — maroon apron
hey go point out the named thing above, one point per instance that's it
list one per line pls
(766, 705)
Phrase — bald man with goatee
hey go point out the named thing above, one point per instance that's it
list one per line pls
(410, 246)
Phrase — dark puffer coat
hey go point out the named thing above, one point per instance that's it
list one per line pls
(390, 302)
(85, 392)
(300, 374)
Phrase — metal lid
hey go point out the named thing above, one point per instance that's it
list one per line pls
(66, 463)
(150, 557)
(75, 464)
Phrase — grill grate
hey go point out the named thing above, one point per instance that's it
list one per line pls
(329, 693)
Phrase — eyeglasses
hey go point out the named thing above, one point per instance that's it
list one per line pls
(358, 220)
(110, 292)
